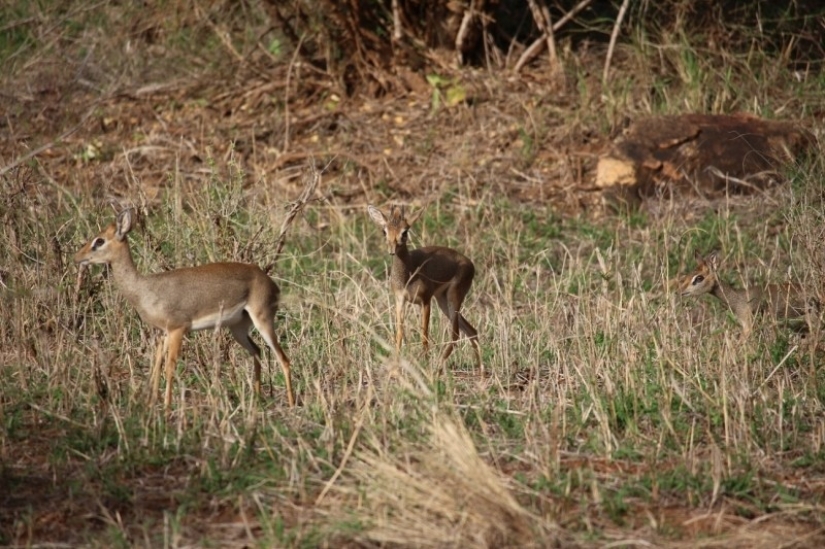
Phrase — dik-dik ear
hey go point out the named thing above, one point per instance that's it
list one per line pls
(412, 219)
(124, 224)
(377, 215)
(712, 260)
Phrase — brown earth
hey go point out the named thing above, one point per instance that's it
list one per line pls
(511, 136)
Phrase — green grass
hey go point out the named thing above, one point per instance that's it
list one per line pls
(611, 411)
(603, 381)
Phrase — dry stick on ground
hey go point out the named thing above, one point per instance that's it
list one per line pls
(19, 23)
(541, 16)
(464, 29)
(536, 46)
(613, 37)
(396, 21)
(292, 64)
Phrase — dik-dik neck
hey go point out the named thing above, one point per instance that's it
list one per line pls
(127, 278)
(741, 302)
(403, 266)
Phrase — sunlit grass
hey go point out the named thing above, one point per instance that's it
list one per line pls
(589, 358)
(612, 410)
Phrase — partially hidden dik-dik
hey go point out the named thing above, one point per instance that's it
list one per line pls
(417, 276)
(786, 302)
(232, 295)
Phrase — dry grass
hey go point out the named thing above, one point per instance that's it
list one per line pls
(442, 494)
(613, 414)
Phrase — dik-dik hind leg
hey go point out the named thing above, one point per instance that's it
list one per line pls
(265, 326)
(425, 325)
(472, 334)
(459, 324)
(175, 339)
(240, 332)
(285, 366)
(154, 374)
(452, 316)
(747, 327)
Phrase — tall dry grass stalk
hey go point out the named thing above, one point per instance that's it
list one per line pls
(437, 493)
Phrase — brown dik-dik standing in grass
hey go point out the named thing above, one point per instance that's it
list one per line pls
(785, 302)
(421, 274)
(232, 295)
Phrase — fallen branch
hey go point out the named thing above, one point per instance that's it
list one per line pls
(463, 31)
(613, 37)
(397, 32)
(536, 46)
(541, 15)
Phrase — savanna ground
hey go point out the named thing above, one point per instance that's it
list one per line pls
(612, 414)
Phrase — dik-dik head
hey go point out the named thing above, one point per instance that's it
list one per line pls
(396, 227)
(703, 278)
(107, 244)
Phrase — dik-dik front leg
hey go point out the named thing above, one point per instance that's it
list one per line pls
(746, 321)
(399, 320)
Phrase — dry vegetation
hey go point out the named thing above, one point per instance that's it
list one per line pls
(613, 413)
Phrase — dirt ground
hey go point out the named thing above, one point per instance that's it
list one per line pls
(512, 136)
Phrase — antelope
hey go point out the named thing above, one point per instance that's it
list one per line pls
(418, 275)
(782, 301)
(231, 295)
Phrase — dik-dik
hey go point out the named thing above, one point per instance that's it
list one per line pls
(786, 302)
(228, 295)
(418, 275)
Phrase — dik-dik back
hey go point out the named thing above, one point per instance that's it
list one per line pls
(420, 272)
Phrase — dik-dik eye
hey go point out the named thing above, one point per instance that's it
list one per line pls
(697, 280)
(97, 243)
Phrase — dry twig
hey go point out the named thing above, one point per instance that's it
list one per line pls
(396, 21)
(613, 37)
(536, 46)
(310, 184)
(542, 17)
